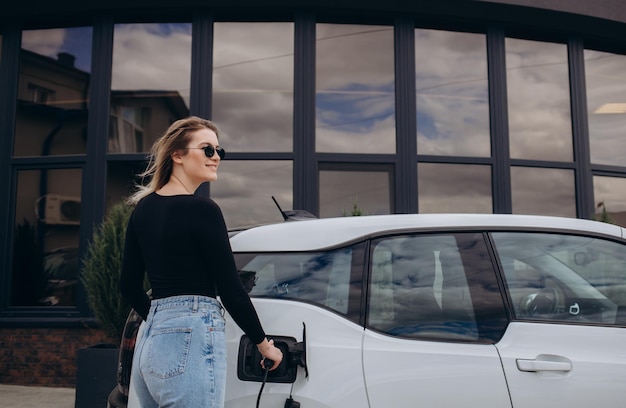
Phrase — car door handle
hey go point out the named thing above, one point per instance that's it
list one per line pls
(543, 365)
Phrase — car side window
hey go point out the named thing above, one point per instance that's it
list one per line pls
(419, 288)
(322, 278)
(565, 278)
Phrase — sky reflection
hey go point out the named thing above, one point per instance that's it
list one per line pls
(253, 85)
(606, 84)
(355, 110)
(452, 93)
(152, 57)
(355, 102)
(538, 100)
(50, 42)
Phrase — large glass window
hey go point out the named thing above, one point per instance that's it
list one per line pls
(610, 199)
(253, 85)
(121, 179)
(452, 94)
(355, 102)
(45, 238)
(538, 100)
(151, 76)
(564, 277)
(452, 188)
(53, 86)
(606, 85)
(244, 191)
(543, 191)
(422, 286)
(349, 190)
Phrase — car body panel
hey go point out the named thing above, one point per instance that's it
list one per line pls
(333, 358)
(424, 373)
(328, 232)
(532, 361)
(564, 365)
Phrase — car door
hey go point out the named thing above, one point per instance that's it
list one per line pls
(434, 312)
(566, 347)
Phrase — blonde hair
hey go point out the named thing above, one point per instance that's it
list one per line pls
(160, 164)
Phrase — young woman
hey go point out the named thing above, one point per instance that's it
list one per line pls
(180, 240)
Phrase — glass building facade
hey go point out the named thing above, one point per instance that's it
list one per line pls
(375, 112)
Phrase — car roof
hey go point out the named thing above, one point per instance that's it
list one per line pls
(315, 234)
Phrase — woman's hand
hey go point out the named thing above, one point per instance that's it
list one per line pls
(270, 351)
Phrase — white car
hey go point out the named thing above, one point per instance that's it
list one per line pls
(454, 310)
(437, 311)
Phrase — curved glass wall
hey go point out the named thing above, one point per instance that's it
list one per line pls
(253, 86)
(150, 83)
(244, 191)
(542, 191)
(53, 88)
(606, 104)
(52, 109)
(353, 190)
(538, 101)
(45, 268)
(355, 97)
(450, 188)
(353, 167)
(610, 199)
(452, 94)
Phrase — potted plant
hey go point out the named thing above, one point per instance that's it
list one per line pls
(100, 275)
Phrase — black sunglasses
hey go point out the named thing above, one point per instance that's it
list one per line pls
(209, 151)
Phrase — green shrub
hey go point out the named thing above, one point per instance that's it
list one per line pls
(604, 215)
(101, 271)
(356, 211)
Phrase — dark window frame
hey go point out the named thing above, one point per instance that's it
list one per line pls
(306, 162)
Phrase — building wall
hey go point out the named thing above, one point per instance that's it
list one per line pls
(612, 10)
(43, 350)
(43, 356)
(606, 9)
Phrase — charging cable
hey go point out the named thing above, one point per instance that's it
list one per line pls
(267, 363)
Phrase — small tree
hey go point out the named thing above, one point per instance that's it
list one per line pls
(356, 211)
(604, 215)
(102, 268)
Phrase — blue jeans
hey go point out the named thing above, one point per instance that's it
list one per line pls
(180, 355)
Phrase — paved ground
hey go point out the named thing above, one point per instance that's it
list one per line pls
(17, 396)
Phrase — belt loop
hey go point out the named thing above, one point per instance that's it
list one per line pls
(195, 304)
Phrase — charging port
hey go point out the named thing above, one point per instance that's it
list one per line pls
(249, 361)
(294, 355)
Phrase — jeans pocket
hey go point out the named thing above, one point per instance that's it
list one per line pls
(168, 350)
(216, 321)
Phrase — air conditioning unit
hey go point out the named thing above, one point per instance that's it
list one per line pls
(54, 209)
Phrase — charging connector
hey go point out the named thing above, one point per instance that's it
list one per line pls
(290, 403)
(267, 363)
(249, 367)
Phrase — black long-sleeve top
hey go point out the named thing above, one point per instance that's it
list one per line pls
(182, 243)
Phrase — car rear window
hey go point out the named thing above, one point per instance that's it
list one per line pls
(322, 278)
